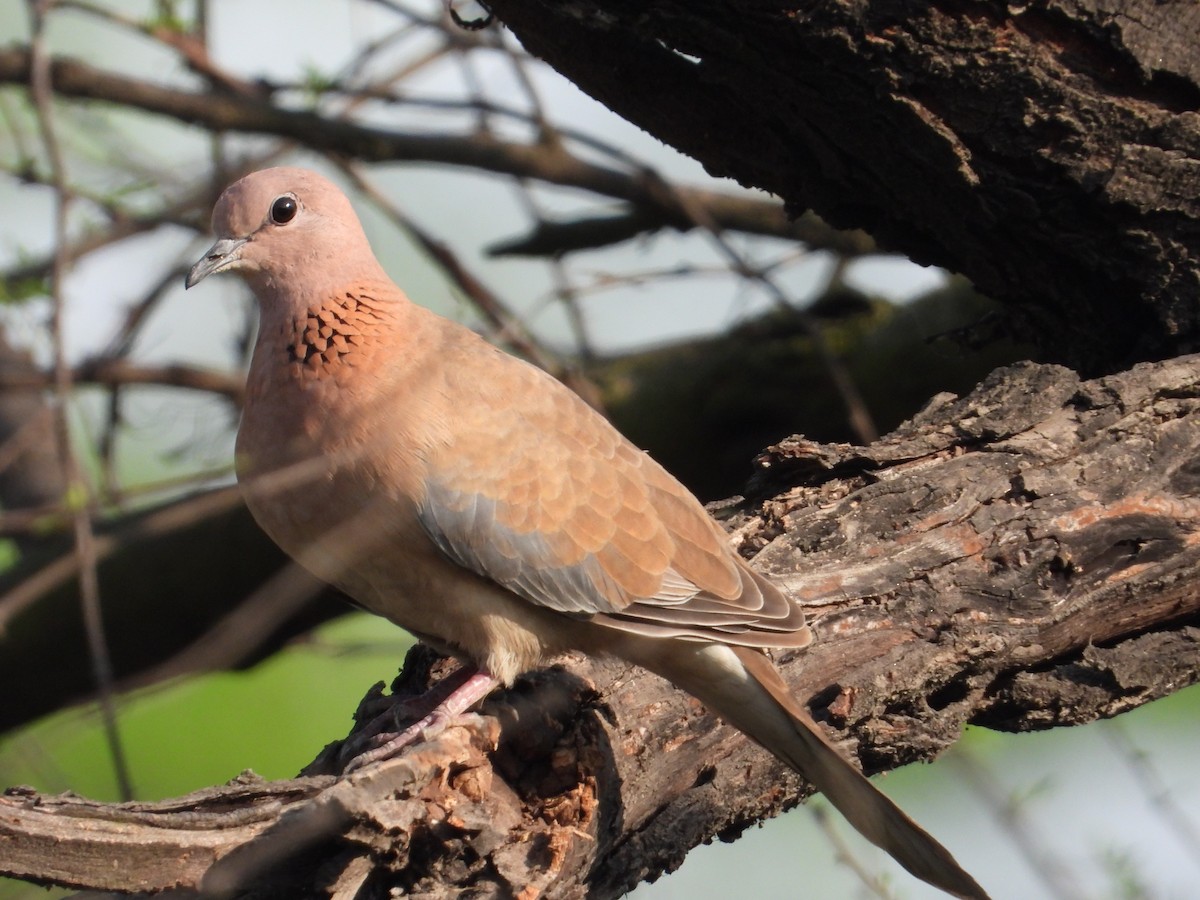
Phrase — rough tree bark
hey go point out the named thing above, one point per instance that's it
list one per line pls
(1048, 150)
(1021, 558)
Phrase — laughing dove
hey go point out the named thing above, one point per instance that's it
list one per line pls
(473, 500)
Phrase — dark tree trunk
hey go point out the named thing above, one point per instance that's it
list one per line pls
(1050, 151)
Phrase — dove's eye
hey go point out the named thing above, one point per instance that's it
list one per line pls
(284, 209)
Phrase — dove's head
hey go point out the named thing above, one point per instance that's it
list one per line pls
(291, 233)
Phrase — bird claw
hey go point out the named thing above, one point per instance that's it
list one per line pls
(385, 745)
(383, 737)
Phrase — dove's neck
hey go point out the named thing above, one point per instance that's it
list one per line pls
(321, 358)
(330, 333)
(324, 375)
(341, 331)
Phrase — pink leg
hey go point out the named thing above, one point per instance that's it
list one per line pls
(444, 702)
(410, 709)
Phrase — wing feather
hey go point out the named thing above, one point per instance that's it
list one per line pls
(544, 497)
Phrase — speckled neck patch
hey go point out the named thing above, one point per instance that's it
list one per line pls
(327, 334)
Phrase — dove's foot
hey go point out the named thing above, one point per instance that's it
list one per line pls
(412, 720)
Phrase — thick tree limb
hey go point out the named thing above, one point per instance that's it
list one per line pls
(1050, 151)
(1024, 557)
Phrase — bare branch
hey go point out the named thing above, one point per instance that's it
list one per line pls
(116, 372)
(85, 539)
(551, 164)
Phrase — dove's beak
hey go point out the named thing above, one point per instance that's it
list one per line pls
(222, 255)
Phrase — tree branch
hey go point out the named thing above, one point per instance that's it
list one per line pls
(115, 371)
(548, 162)
(1006, 559)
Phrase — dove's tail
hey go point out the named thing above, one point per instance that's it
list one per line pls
(744, 688)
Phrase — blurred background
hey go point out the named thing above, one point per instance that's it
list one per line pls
(692, 312)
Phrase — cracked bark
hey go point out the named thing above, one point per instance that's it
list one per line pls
(1050, 151)
(1020, 558)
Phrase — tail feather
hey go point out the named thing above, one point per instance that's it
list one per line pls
(743, 687)
(876, 817)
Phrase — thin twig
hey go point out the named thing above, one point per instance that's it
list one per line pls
(845, 855)
(1157, 793)
(1021, 830)
(553, 165)
(116, 372)
(85, 551)
(857, 413)
(550, 135)
(168, 519)
(483, 298)
(237, 635)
